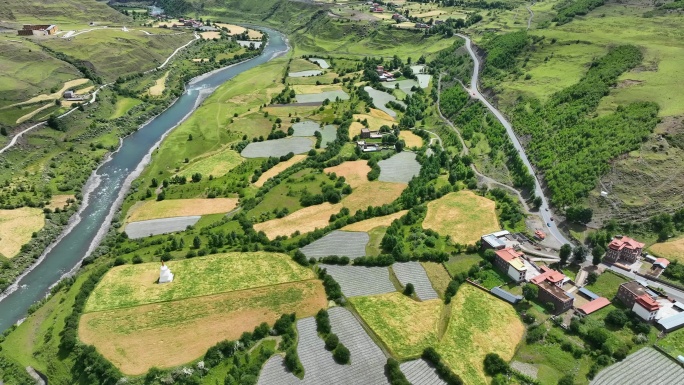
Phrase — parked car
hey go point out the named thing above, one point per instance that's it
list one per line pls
(548, 224)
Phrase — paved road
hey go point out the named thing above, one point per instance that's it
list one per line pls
(529, 21)
(672, 292)
(544, 210)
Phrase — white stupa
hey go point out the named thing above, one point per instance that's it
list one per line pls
(165, 275)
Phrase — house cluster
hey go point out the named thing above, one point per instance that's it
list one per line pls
(192, 23)
(422, 26)
(385, 76)
(375, 7)
(651, 307)
(38, 30)
(367, 147)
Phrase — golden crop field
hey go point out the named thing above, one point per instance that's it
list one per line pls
(278, 168)
(672, 250)
(462, 215)
(405, 326)
(173, 333)
(370, 224)
(134, 285)
(147, 210)
(16, 228)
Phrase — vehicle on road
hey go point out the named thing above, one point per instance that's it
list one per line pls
(548, 224)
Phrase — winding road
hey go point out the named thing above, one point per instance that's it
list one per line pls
(544, 209)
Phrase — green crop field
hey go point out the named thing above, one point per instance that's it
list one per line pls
(673, 343)
(405, 326)
(216, 165)
(134, 285)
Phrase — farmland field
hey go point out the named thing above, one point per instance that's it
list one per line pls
(438, 275)
(310, 218)
(411, 139)
(639, 369)
(462, 215)
(419, 372)
(405, 326)
(142, 229)
(400, 168)
(173, 333)
(134, 285)
(301, 74)
(277, 147)
(413, 272)
(367, 360)
(370, 224)
(360, 280)
(179, 207)
(342, 243)
(353, 171)
(381, 98)
(672, 250)
(16, 228)
(216, 165)
(479, 324)
(277, 169)
(319, 97)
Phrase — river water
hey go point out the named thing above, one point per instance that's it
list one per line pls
(107, 186)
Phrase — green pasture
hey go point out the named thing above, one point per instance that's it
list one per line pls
(123, 105)
(607, 284)
(133, 285)
(60, 12)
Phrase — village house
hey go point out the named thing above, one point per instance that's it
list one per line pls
(551, 276)
(365, 133)
(510, 261)
(497, 240)
(628, 293)
(44, 30)
(623, 249)
(550, 293)
(646, 307)
(367, 147)
(422, 26)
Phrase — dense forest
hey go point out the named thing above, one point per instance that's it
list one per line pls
(571, 8)
(570, 147)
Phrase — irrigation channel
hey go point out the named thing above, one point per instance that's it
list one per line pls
(108, 185)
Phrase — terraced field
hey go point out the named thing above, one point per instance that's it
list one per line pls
(419, 372)
(342, 243)
(179, 208)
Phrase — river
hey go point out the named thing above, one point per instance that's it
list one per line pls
(107, 186)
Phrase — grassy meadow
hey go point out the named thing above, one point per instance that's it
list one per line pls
(464, 216)
(135, 285)
(672, 249)
(607, 284)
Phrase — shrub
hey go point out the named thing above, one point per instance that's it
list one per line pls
(341, 354)
(323, 322)
(430, 355)
(331, 342)
(394, 373)
(494, 364)
(409, 290)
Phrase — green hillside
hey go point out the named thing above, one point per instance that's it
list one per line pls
(58, 11)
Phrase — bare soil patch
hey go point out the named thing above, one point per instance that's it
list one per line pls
(59, 201)
(159, 85)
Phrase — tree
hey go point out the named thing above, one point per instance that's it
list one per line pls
(530, 291)
(197, 242)
(331, 342)
(189, 137)
(409, 290)
(196, 177)
(579, 253)
(494, 364)
(161, 196)
(399, 145)
(617, 318)
(565, 252)
(597, 254)
(3, 131)
(568, 379)
(537, 202)
(591, 278)
(341, 354)
(579, 214)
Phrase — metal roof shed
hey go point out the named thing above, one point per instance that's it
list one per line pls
(672, 323)
(588, 293)
(506, 296)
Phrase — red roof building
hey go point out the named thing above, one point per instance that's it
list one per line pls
(597, 304)
(646, 307)
(624, 248)
(662, 262)
(550, 275)
(509, 260)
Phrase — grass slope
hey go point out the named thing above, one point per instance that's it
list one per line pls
(59, 12)
(672, 250)
(134, 285)
(16, 228)
(179, 208)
